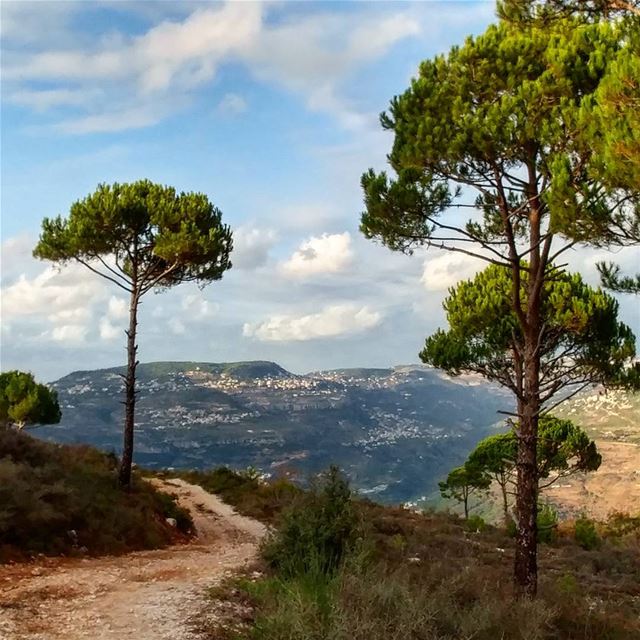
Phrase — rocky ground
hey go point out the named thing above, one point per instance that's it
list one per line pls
(154, 595)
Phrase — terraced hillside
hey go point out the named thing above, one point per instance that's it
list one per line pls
(612, 418)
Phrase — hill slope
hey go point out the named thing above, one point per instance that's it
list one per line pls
(612, 418)
(63, 499)
(395, 431)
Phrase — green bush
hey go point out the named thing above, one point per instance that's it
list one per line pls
(58, 499)
(317, 531)
(586, 535)
(476, 523)
(547, 523)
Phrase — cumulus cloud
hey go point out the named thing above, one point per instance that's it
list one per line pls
(70, 334)
(117, 308)
(60, 304)
(197, 307)
(16, 259)
(251, 247)
(441, 272)
(328, 253)
(54, 293)
(111, 326)
(333, 321)
(108, 331)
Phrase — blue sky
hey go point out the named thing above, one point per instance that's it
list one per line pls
(269, 108)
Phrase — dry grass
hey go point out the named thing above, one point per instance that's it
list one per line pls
(426, 576)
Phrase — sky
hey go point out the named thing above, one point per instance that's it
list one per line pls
(271, 109)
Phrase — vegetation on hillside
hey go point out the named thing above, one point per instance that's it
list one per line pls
(564, 449)
(244, 490)
(368, 572)
(58, 499)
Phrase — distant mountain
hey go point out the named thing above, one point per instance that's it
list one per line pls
(395, 431)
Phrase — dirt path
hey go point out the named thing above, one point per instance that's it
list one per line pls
(147, 595)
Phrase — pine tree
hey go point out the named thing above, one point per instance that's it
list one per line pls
(500, 117)
(140, 236)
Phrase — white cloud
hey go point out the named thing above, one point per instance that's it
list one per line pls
(328, 48)
(251, 247)
(185, 52)
(76, 314)
(176, 326)
(15, 257)
(44, 99)
(70, 333)
(111, 325)
(118, 120)
(52, 292)
(233, 104)
(444, 271)
(324, 254)
(197, 307)
(108, 331)
(333, 321)
(117, 308)
(152, 75)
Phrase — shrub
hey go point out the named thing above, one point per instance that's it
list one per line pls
(547, 523)
(476, 524)
(54, 499)
(317, 531)
(586, 535)
(419, 576)
(622, 524)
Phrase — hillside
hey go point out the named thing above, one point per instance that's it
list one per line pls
(65, 500)
(612, 418)
(394, 431)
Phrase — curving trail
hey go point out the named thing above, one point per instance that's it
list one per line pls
(147, 595)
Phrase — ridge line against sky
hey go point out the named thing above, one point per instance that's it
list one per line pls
(271, 109)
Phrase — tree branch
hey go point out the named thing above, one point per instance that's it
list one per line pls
(103, 275)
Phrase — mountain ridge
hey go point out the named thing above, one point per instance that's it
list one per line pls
(396, 431)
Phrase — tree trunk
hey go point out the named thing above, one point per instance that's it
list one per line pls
(502, 481)
(130, 392)
(526, 561)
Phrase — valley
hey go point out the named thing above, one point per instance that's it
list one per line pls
(394, 431)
